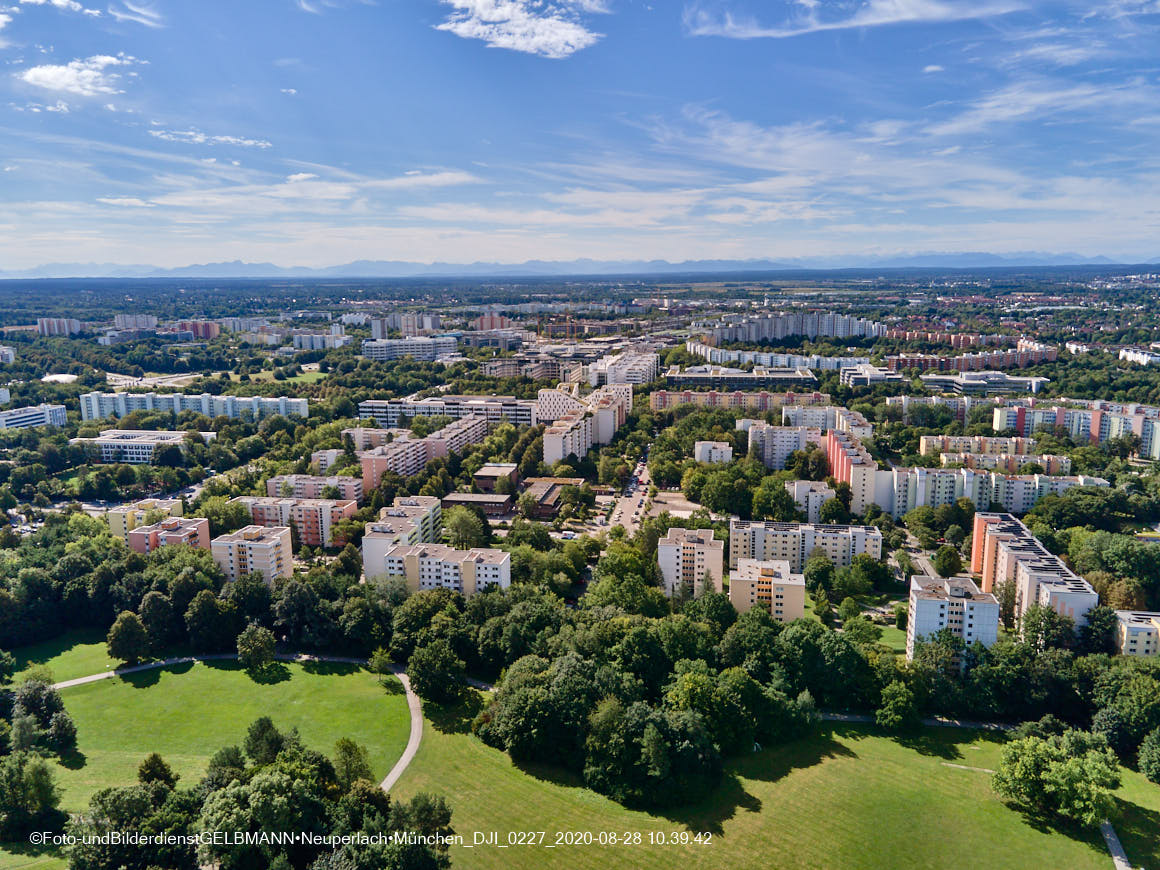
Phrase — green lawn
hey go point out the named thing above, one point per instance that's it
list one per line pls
(846, 798)
(895, 638)
(74, 654)
(188, 712)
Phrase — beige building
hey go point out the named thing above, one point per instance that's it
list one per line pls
(125, 518)
(796, 542)
(411, 520)
(261, 549)
(687, 556)
(1137, 633)
(435, 566)
(770, 586)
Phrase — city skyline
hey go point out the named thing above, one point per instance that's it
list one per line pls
(320, 132)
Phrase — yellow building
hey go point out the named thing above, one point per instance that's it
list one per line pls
(770, 586)
(264, 550)
(1137, 633)
(125, 518)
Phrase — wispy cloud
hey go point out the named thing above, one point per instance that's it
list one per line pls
(933, 68)
(548, 29)
(196, 137)
(68, 5)
(125, 201)
(290, 92)
(86, 77)
(702, 19)
(138, 14)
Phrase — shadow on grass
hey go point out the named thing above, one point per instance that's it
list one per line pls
(274, 672)
(28, 851)
(152, 676)
(331, 668)
(455, 718)
(74, 759)
(391, 684)
(1045, 823)
(40, 653)
(1139, 831)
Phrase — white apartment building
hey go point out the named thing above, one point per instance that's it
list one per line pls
(828, 418)
(775, 360)
(954, 603)
(312, 486)
(7, 355)
(929, 445)
(410, 520)
(435, 566)
(136, 446)
(627, 367)
(33, 416)
(770, 586)
(134, 321)
(420, 348)
(583, 421)
(264, 550)
(686, 557)
(46, 326)
(809, 496)
(796, 542)
(867, 375)
(97, 406)
(409, 324)
(494, 409)
(1139, 356)
(323, 459)
(1137, 633)
(772, 445)
(320, 340)
(712, 452)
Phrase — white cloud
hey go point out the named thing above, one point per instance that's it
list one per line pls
(125, 201)
(933, 68)
(138, 14)
(196, 137)
(290, 91)
(86, 78)
(69, 5)
(300, 176)
(702, 21)
(547, 29)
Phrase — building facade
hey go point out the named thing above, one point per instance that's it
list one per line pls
(688, 559)
(255, 549)
(769, 585)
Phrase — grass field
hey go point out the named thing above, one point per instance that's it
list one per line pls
(846, 798)
(189, 711)
(74, 654)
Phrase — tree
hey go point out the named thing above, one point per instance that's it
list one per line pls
(380, 663)
(256, 648)
(351, 762)
(1149, 758)
(127, 640)
(28, 796)
(156, 612)
(7, 667)
(818, 572)
(898, 709)
(464, 528)
(947, 561)
(848, 609)
(263, 741)
(435, 671)
(1070, 775)
(1043, 628)
(834, 512)
(155, 769)
(211, 623)
(61, 735)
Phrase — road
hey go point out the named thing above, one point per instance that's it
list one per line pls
(630, 506)
(413, 703)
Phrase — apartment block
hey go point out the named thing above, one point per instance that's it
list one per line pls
(769, 585)
(264, 550)
(127, 517)
(410, 520)
(1009, 463)
(135, 446)
(712, 451)
(98, 406)
(434, 566)
(712, 377)
(134, 321)
(313, 518)
(774, 360)
(1003, 550)
(993, 446)
(687, 557)
(587, 421)
(33, 416)
(663, 400)
(982, 383)
(419, 348)
(867, 375)
(406, 455)
(796, 542)
(494, 409)
(627, 367)
(46, 326)
(1137, 633)
(953, 603)
(812, 324)
(314, 486)
(1026, 353)
(809, 496)
(189, 531)
(7, 355)
(772, 445)
(828, 418)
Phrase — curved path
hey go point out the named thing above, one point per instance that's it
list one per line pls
(416, 709)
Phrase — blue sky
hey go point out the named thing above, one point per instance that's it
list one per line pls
(315, 132)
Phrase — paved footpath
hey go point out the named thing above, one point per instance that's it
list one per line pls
(413, 704)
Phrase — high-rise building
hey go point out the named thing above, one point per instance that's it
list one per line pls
(314, 486)
(313, 518)
(420, 348)
(33, 416)
(435, 566)
(1137, 633)
(809, 496)
(263, 550)
(688, 559)
(626, 367)
(411, 520)
(772, 445)
(955, 604)
(7, 355)
(97, 406)
(134, 321)
(769, 585)
(46, 326)
(712, 452)
(796, 542)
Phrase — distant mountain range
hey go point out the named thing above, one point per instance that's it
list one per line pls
(555, 268)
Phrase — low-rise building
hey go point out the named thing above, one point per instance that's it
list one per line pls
(313, 518)
(548, 492)
(712, 452)
(494, 409)
(434, 566)
(497, 476)
(493, 504)
(1137, 633)
(688, 559)
(868, 375)
(982, 383)
(720, 377)
(98, 405)
(421, 348)
(190, 531)
(315, 486)
(33, 416)
(126, 517)
(762, 400)
(262, 550)
(136, 446)
(809, 496)
(769, 585)
(953, 603)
